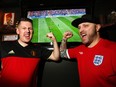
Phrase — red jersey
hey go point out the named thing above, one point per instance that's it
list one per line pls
(97, 65)
(19, 64)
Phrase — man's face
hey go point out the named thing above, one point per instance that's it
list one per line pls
(88, 32)
(25, 31)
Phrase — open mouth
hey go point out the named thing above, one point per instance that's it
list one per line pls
(27, 36)
(83, 36)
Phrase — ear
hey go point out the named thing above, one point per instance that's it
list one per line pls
(98, 26)
(17, 30)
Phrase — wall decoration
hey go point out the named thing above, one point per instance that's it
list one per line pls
(8, 18)
(11, 37)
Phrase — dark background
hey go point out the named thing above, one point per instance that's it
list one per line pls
(63, 73)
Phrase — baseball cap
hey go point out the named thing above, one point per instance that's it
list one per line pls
(85, 18)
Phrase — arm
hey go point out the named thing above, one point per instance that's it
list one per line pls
(63, 45)
(55, 54)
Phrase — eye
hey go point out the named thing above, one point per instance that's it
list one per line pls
(30, 28)
(85, 25)
(24, 28)
(79, 27)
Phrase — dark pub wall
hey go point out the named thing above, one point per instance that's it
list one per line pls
(15, 10)
(6, 29)
(106, 10)
(103, 8)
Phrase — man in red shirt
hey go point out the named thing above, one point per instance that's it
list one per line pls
(20, 59)
(96, 56)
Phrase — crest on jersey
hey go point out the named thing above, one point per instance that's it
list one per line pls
(98, 59)
(33, 53)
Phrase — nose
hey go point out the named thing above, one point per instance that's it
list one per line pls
(80, 29)
(28, 30)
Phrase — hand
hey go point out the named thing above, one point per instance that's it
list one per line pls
(51, 36)
(67, 35)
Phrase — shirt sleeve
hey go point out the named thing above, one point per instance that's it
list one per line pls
(71, 53)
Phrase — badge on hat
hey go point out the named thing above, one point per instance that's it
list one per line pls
(98, 59)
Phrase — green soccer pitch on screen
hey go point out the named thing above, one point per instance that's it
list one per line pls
(55, 21)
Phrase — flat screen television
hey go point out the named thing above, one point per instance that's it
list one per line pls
(56, 21)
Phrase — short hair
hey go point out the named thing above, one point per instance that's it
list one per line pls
(23, 19)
